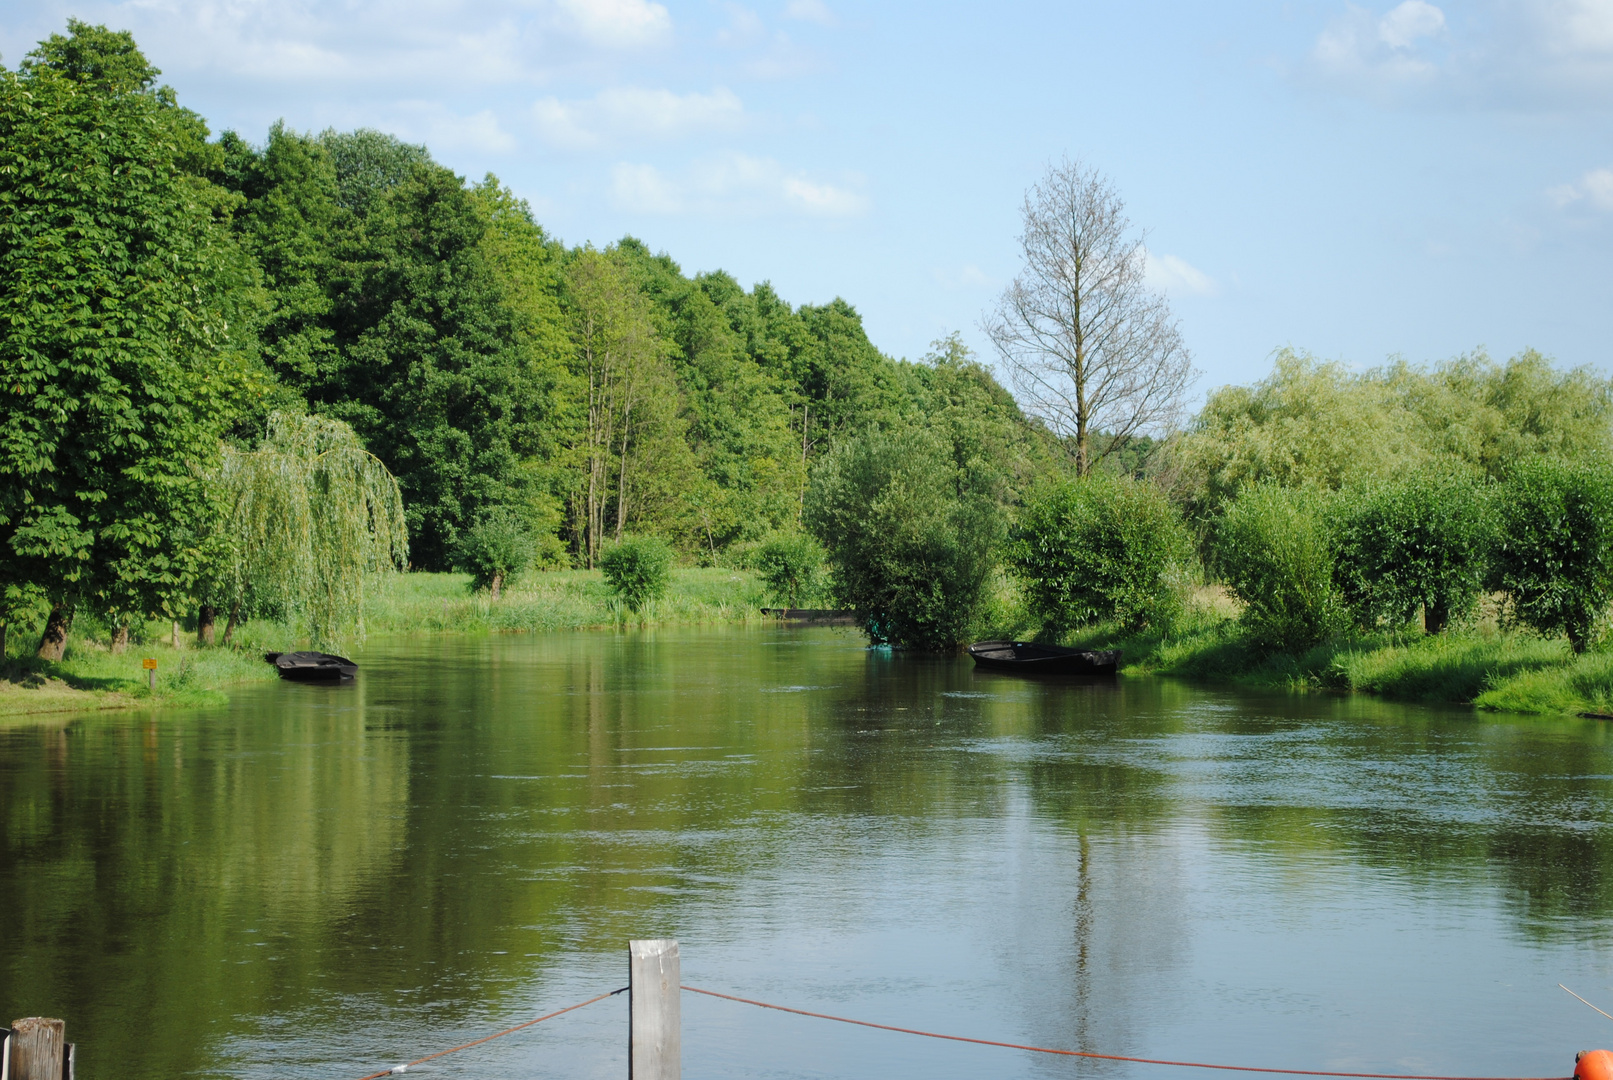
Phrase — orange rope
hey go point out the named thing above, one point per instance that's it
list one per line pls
(488, 1038)
(1086, 1054)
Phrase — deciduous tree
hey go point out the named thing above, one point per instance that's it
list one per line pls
(1090, 347)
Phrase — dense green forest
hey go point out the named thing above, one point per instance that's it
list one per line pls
(168, 293)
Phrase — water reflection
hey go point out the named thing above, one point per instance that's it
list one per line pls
(317, 882)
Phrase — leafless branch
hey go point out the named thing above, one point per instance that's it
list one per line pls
(1087, 344)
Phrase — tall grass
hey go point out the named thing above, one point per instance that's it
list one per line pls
(558, 600)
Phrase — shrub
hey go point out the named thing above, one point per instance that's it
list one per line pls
(1105, 547)
(791, 564)
(1422, 541)
(1275, 553)
(494, 551)
(912, 537)
(1555, 555)
(637, 570)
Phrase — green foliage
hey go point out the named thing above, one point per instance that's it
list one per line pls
(496, 550)
(311, 517)
(637, 569)
(368, 164)
(1319, 425)
(912, 537)
(1555, 558)
(432, 371)
(1104, 547)
(1420, 541)
(1275, 552)
(792, 565)
(128, 309)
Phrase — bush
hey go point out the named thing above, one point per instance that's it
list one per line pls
(1423, 541)
(637, 570)
(912, 537)
(494, 551)
(791, 564)
(1555, 555)
(1101, 548)
(1275, 553)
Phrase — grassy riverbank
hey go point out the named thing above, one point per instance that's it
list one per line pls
(1484, 666)
(92, 677)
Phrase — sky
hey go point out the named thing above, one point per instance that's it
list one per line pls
(1359, 181)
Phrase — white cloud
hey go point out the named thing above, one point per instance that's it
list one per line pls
(1576, 27)
(1594, 189)
(372, 47)
(733, 183)
(644, 189)
(621, 113)
(443, 130)
(813, 11)
(1359, 48)
(1528, 55)
(965, 277)
(618, 23)
(1175, 276)
(1413, 19)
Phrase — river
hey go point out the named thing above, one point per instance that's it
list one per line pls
(328, 881)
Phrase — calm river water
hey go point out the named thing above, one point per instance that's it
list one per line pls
(324, 882)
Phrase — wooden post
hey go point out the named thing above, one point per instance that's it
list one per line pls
(654, 1023)
(38, 1049)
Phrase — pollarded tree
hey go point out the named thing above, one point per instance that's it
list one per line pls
(912, 537)
(1090, 347)
(1419, 541)
(1555, 556)
(1104, 547)
(128, 310)
(311, 516)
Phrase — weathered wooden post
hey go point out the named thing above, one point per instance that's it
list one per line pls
(40, 1050)
(654, 1020)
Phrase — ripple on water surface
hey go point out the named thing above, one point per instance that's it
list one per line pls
(322, 882)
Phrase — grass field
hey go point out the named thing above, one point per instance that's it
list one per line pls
(92, 677)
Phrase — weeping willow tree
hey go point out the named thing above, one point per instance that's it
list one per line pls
(312, 517)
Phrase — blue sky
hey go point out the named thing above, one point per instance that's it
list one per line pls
(1417, 179)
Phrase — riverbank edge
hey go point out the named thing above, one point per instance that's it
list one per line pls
(92, 679)
(1485, 668)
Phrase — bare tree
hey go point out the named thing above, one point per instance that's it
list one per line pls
(1088, 345)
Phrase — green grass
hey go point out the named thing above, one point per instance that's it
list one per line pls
(557, 600)
(1509, 671)
(92, 677)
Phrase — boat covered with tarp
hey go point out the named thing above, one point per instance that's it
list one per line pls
(312, 666)
(1035, 658)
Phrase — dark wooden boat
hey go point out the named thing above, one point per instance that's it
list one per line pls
(813, 616)
(1030, 658)
(311, 666)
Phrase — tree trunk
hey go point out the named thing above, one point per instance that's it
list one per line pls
(3, 656)
(1579, 633)
(206, 616)
(229, 627)
(53, 642)
(120, 640)
(1435, 616)
(176, 642)
(498, 583)
(621, 483)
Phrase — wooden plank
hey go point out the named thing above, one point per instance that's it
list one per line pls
(654, 1025)
(38, 1049)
